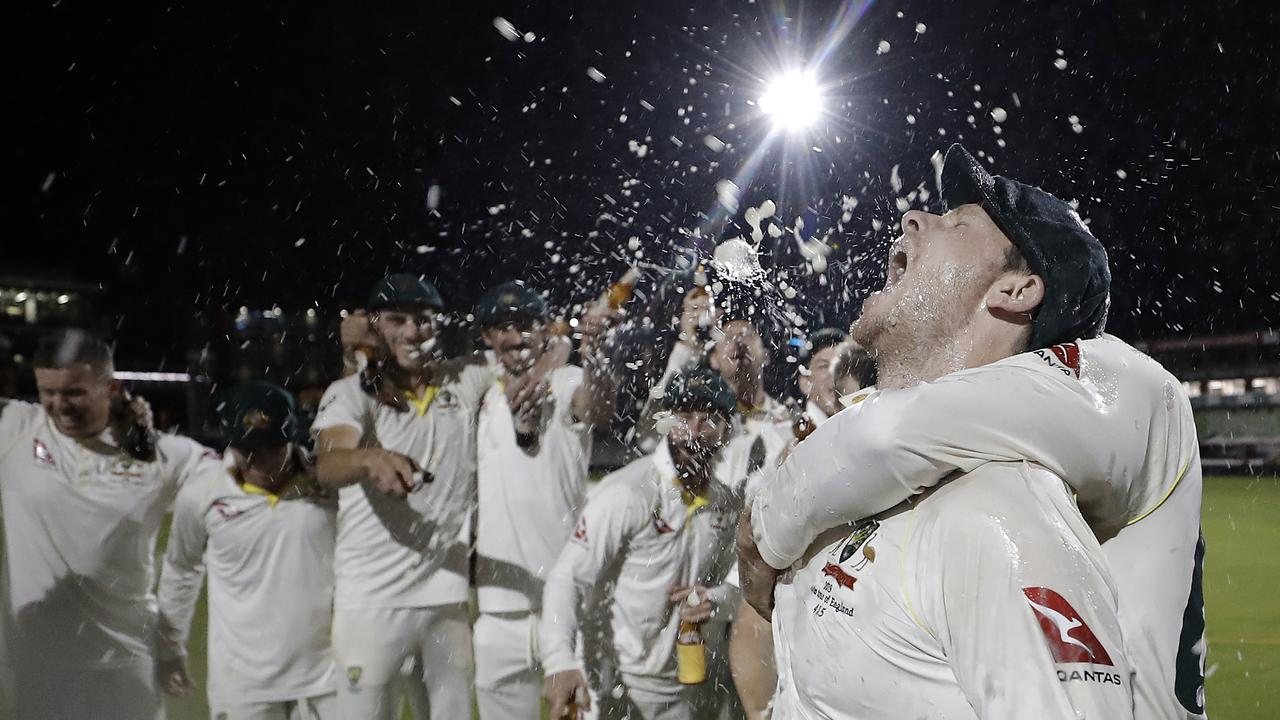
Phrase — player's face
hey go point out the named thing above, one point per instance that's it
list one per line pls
(818, 385)
(696, 439)
(78, 399)
(409, 334)
(937, 275)
(739, 355)
(516, 343)
(266, 467)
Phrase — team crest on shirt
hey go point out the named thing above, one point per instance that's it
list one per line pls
(1064, 358)
(127, 469)
(858, 539)
(353, 675)
(446, 400)
(41, 453)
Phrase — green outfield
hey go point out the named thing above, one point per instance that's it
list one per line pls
(1242, 596)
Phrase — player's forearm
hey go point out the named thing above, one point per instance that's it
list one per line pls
(751, 662)
(178, 592)
(595, 399)
(340, 467)
(558, 626)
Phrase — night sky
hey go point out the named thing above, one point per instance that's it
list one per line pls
(201, 157)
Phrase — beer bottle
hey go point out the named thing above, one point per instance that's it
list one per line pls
(691, 654)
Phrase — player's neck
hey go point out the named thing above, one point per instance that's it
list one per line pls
(923, 362)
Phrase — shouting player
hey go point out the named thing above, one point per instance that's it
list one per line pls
(264, 533)
(654, 535)
(989, 596)
(532, 468)
(84, 490)
(1096, 412)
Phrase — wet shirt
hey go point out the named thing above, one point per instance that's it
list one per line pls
(269, 560)
(529, 499)
(639, 535)
(412, 552)
(987, 599)
(80, 526)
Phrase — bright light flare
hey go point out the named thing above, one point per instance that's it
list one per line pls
(793, 100)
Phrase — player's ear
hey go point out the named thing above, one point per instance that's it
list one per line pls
(1016, 294)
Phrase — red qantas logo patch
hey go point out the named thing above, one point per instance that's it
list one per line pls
(226, 510)
(1064, 357)
(580, 532)
(1070, 639)
(41, 453)
(661, 525)
(837, 573)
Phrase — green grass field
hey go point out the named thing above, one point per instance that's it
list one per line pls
(1242, 597)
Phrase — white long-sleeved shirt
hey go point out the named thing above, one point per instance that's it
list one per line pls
(80, 525)
(637, 537)
(528, 500)
(270, 567)
(1098, 413)
(987, 599)
(409, 552)
(1105, 417)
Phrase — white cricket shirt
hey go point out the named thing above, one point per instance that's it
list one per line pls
(410, 552)
(637, 537)
(80, 525)
(528, 500)
(270, 567)
(758, 438)
(1109, 420)
(988, 599)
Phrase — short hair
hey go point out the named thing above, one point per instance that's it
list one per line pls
(1015, 261)
(67, 348)
(854, 362)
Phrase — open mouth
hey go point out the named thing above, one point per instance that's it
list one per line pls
(896, 267)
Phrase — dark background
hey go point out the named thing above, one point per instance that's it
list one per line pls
(194, 158)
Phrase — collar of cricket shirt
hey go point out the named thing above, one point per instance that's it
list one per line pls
(292, 487)
(422, 402)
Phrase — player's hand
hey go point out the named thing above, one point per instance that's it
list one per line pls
(133, 425)
(757, 577)
(697, 613)
(593, 326)
(527, 415)
(696, 312)
(173, 678)
(357, 331)
(391, 473)
(562, 689)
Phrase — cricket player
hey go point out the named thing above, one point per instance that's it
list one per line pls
(653, 534)
(532, 469)
(762, 425)
(77, 612)
(837, 368)
(264, 532)
(399, 441)
(1104, 416)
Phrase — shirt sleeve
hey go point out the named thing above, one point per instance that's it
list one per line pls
(183, 570)
(15, 418)
(1009, 580)
(605, 526)
(344, 404)
(895, 443)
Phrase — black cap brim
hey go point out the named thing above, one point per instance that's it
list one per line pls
(966, 182)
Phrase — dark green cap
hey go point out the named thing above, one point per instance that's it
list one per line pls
(257, 415)
(699, 387)
(509, 301)
(404, 289)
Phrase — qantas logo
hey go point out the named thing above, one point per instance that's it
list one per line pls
(837, 573)
(226, 510)
(1065, 358)
(580, 531)
(41, 453)
(1070, 639)
(661, 525)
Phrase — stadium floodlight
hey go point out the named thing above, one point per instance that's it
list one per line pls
(792, 100)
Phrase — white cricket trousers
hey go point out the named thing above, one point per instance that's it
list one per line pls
(508, 674)
(370, 645)
(320, 707)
